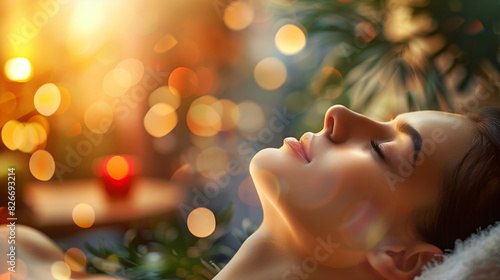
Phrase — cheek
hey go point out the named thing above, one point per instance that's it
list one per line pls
(332, 178)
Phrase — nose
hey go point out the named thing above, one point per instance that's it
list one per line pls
(342, 124)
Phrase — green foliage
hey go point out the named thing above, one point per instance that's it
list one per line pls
(168, 251)
(355, 35)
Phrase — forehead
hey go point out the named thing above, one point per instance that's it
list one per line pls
(446, 138)
(433, 125)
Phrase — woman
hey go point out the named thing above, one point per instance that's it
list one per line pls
(370, 200)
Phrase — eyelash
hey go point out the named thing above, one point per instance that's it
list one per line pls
(377, 149)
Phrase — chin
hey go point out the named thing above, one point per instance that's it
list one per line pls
(265, 169)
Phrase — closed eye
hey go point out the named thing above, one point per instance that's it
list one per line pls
(377, 149)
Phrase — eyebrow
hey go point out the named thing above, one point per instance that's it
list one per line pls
(409, 130)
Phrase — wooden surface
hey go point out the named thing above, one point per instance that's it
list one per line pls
(52, 203)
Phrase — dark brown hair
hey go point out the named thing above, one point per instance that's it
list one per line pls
(470, 198)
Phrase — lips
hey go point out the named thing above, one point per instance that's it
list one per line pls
(300, 148)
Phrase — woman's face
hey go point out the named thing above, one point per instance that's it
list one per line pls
(358, 180)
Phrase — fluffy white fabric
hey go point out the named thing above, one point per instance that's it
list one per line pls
(477, 258)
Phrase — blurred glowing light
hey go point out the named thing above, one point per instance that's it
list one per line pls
(250, 117)
(41, 134)
(165, 44)
(202, 118)
(117, 167)
(83, 215)
(65, 100)
(212, 162)
(365, 31)
(205, 80)
(129, 72)
(42, 165)
(60, 270)
(160, 120)
(290, 39)
(8, 103)
(47, 99)
(98, 117)
(18, 69)
(21, 271)
(183, 82)
(18, 136)
(116, 82)
(227, 112)
(238, 15)
(8, 134)
(474, 27)
(28, 137)
(42, 121)
(270, 73)
(164, 95)
(75, 259)
(201, 222)
(328, 83)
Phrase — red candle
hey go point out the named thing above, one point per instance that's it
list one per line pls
(117, 175)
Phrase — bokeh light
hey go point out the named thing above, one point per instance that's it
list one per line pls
(206, 79)
(117, 167)
(160, 120)
(165, 44)
(201, 222)
(116, 82)
(98, 117)
(25, 137)
(290, 39)
(328, 83)
(129, 72)
(250, 117)
(60, 270)
(8, 134)
(41, 134)
(212, 162)
(270, 73)
(47, 99)
(42, 121)
(65, 100)
(365, 31)
(75, 259)
(183, 82)
(8, 103)
(202, 118)
(42, 165)
(238, 15)
(21, 270)
(18, 69)
(228, 112)
(164, 95)
(83, 215)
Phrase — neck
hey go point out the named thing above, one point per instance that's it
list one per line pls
(268, 256)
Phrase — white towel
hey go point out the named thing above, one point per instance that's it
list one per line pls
(476, 258)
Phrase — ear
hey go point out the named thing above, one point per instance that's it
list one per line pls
(397, 262)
